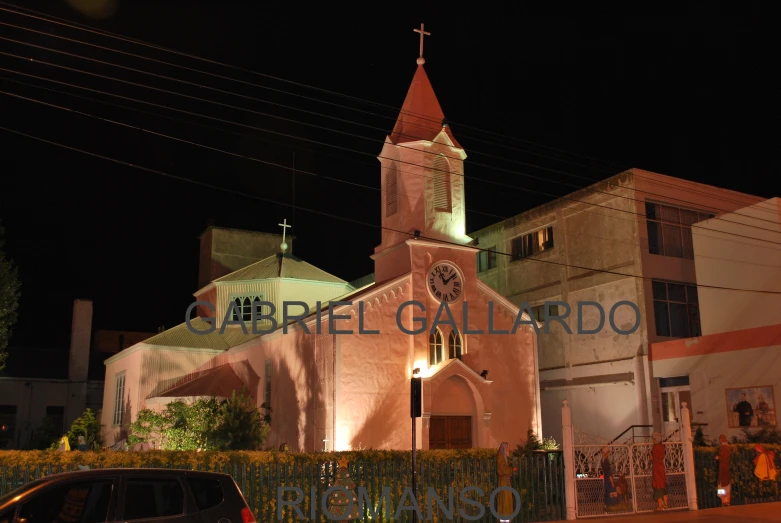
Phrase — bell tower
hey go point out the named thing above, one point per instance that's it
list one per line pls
(422, 175)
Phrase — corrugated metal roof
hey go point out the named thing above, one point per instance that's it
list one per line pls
(183, 336)
(280, 266)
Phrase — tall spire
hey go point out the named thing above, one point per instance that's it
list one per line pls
(421, 117)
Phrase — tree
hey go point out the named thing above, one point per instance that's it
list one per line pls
(9, 299)
(244, 426)
(86, 425)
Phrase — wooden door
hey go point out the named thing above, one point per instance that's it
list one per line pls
(450, 432)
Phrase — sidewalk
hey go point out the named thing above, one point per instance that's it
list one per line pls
(761, 512)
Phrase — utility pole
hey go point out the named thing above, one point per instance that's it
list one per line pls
(415, 411)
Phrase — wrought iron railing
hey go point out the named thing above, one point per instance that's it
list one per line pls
(539, 481)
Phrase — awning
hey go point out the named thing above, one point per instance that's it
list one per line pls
(219, 382)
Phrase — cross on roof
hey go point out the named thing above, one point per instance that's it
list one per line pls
(422, 35)
(285, 227)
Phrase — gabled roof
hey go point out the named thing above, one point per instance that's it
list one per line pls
(183, 336)
(421, 116)
(280, 266)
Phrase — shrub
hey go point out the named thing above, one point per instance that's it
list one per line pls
(86, 425)
(242, 426)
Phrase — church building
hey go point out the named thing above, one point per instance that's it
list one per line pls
(339, 378)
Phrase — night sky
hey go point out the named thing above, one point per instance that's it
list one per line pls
(543, 102)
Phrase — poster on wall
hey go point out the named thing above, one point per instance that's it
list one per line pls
(751, 407)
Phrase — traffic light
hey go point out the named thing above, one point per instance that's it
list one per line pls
(415, 398)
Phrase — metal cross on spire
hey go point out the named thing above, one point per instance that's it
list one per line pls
(285, 227)
(423, 33)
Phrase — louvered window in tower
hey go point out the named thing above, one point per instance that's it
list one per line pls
(391, 190)
(441, 179)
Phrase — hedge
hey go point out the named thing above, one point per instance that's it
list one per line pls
(539, 480)
(746, 488)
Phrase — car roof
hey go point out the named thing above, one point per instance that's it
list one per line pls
(135, 471)
(98, 473)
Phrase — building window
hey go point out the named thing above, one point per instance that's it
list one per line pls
(454, 345)
(7, 422)
(57, 417)
(532, 243)
(441, 179)
(538, 312)
(391, 190)
(435, 348)
(669, 229)
(267, 395)
(486, 259)
(119, 397)
(676, 309)
(243, 308)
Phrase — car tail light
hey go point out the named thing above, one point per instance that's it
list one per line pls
(246, 515)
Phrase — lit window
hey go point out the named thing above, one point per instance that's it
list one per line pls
(455, 346)
(532, 243)
(441, 179)
(435, 348)
(243, 308)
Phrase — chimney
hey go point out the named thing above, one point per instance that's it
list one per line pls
(81, 336)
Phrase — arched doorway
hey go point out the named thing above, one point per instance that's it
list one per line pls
(452, 422)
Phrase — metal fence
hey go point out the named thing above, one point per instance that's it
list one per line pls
(539, 481)
(631, 470)
(745, 489)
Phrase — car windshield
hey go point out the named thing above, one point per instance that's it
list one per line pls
(22, 489)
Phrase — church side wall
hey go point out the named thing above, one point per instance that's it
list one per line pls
(147, 370)
(302, 387)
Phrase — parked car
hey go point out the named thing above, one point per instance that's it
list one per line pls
(120, 495)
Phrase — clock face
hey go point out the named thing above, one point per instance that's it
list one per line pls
(445, 282)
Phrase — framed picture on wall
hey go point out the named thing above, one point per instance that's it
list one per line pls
(751, 407)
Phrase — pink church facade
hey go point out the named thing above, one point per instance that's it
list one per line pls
(341, 391)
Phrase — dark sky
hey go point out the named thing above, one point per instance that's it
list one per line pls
(689, 93)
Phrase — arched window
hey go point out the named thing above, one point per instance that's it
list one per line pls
(435, 348)
(391, 190)
(441, 179)
(243, 304)
(455, 346)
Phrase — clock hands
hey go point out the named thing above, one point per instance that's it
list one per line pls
(448, 280)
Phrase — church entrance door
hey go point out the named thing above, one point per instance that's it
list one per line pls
(450, 432)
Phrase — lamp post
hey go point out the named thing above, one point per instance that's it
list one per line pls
(415, 411)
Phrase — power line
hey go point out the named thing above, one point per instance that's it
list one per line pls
(83, 27)
(348, 121)
(325, 128)
(138, 128)
(358, 222)
(491, 182)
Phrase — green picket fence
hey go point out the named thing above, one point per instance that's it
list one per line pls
(539, 482)
(745, 488)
